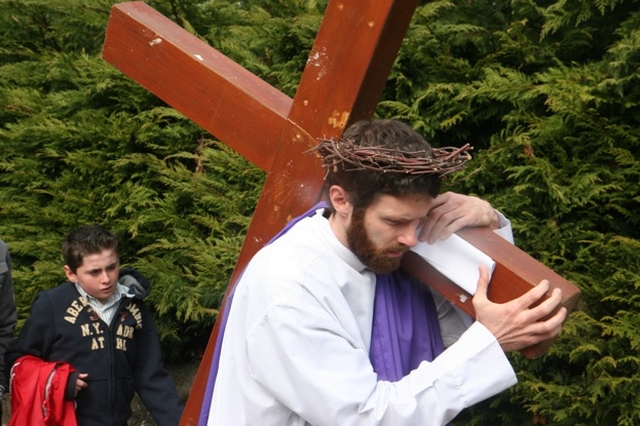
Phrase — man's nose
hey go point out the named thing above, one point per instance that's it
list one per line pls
(409, 237)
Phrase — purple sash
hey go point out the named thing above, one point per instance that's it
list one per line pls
(405, 327)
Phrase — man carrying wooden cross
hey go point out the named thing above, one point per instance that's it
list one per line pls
(323, 327)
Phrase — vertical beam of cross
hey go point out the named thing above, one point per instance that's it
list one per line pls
(342, 82)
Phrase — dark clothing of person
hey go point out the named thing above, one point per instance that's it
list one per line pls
(119, 358)
(8, 313)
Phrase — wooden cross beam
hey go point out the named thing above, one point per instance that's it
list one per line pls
(348, 66)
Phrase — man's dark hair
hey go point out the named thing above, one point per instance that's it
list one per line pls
(365, 185)
(86, 240)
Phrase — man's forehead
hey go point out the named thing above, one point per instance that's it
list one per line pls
(406, 205)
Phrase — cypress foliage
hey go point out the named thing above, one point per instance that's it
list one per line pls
(546, 91)
(81, 143)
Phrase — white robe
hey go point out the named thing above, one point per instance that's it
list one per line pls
(295, 349)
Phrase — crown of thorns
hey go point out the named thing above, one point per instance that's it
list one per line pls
(441, 161)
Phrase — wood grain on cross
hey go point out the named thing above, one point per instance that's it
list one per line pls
(348, 66)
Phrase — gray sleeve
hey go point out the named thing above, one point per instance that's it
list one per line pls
(453, 321)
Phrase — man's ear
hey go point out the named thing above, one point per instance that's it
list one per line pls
(340, 201)
(70, 275)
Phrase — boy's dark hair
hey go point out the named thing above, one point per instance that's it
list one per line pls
(86, 240)
(364, 185)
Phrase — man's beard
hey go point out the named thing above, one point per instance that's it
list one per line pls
(362, 246)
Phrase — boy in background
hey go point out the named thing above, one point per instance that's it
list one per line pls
(98, 324)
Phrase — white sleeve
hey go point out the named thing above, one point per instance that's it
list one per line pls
(472, 370)
(504, 229)
(303, 357)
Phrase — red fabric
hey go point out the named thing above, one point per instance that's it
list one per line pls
(37, 393)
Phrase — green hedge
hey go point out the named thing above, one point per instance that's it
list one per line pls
(546, 91)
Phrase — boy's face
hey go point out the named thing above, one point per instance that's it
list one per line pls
(98, 274)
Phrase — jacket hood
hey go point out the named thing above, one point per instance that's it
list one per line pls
(137, 284)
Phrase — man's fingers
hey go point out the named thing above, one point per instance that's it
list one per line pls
(433, 222)
(533, 295)
(441, 224)
(483, 281)
(543, 330)
(547, 306)
(450, 212)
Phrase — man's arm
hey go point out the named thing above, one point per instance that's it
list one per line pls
(302, 356)
(515, 324)
(453, 320)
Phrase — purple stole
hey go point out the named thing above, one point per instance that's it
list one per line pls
(405, 327)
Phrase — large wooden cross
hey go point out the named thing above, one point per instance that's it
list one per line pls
(347, 68)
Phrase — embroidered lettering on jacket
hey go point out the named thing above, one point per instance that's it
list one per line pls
(74, 310)
(135, 311)
(95, 330)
